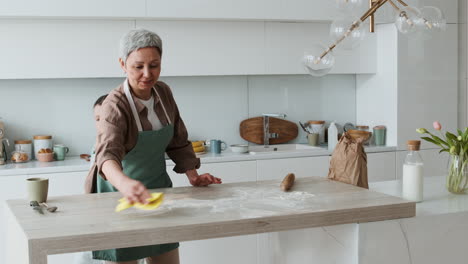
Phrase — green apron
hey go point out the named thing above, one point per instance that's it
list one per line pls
(147, 164)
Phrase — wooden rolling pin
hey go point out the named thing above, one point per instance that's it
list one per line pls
(287, 182)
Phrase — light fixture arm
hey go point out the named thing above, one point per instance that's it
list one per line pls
(403, 3)
(408, 19)
(375, 6)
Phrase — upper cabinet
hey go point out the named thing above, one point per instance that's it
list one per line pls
(387, 14)
(89, 48)
(61, 48)
(271, 10)
(306, 10)
(286, 43)
(72, 8)
(196, 48)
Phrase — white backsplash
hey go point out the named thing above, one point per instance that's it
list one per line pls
(211, 107)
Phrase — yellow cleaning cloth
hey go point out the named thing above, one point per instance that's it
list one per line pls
(154, 202)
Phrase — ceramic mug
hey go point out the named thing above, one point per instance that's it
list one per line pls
(216, 146)
(60, 151)
(37, 189)
(313, 139)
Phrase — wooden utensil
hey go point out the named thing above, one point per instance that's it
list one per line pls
(287, 182)
(252, 130)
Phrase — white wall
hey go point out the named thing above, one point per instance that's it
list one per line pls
(462, 63)
(376, 102)
(212, 107)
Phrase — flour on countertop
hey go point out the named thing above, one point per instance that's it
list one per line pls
(248, 202)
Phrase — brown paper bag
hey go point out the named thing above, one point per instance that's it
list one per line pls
(349, 162)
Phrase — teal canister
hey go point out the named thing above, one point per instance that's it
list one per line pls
(380, 135)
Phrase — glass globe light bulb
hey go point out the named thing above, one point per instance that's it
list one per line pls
(349, 6)
(432, 19)
(407, 19)
(315, 65)
(341, 29)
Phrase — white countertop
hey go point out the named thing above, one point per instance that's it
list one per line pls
(70, 164)
(73, 164)
(229, 156)
(437, 200)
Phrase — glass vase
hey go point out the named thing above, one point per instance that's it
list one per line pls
(457, 178)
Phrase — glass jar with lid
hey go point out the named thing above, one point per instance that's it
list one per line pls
(24, 148)
(363, 128)
(43, 142)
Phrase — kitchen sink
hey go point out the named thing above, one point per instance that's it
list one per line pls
(281, 148)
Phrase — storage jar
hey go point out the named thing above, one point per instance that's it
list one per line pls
(43, 142)
(24, 146)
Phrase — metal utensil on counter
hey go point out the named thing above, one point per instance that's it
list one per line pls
(35, 205)
(348, 126)
(304, 127)
(51, 209)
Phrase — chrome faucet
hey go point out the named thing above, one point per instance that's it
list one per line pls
(266, 128)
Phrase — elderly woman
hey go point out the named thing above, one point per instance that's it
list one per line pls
(139, 121)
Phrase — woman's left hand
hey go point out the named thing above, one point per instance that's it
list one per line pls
(202, 180)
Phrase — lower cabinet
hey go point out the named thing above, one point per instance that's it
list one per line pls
(241, 249)
(301, 167)
(14, 187)
(228, 250)
(11, 187)
(325, 245)
(381, 166)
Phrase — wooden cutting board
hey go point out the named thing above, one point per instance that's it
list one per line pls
(252, 130)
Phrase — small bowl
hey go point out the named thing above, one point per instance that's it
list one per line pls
(239, 148)
(45, 157)
(355, 134)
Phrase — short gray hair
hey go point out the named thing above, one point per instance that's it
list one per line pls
(137, 39)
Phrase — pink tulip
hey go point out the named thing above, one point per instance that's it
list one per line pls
(437, 125)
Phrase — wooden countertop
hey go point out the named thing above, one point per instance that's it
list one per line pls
(87, 222)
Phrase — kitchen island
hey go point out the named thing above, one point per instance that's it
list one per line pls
(88, 222)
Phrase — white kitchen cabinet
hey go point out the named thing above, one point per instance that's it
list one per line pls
(211, 251)
(229, 172)
(295, 10)
(276, 169)
(61, 48)
(448, 8)
(229, 250)
(286, 44)
(381, 166)
(210, 47)
(387, 14)
(14, 187)
(72, 8)
(211, 9)
(11, 187)
(325, 245)
(317, 10)
(435, 163)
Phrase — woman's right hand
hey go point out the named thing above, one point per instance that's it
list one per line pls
(134, 191)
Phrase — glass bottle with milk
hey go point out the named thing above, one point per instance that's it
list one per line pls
(413, 180)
